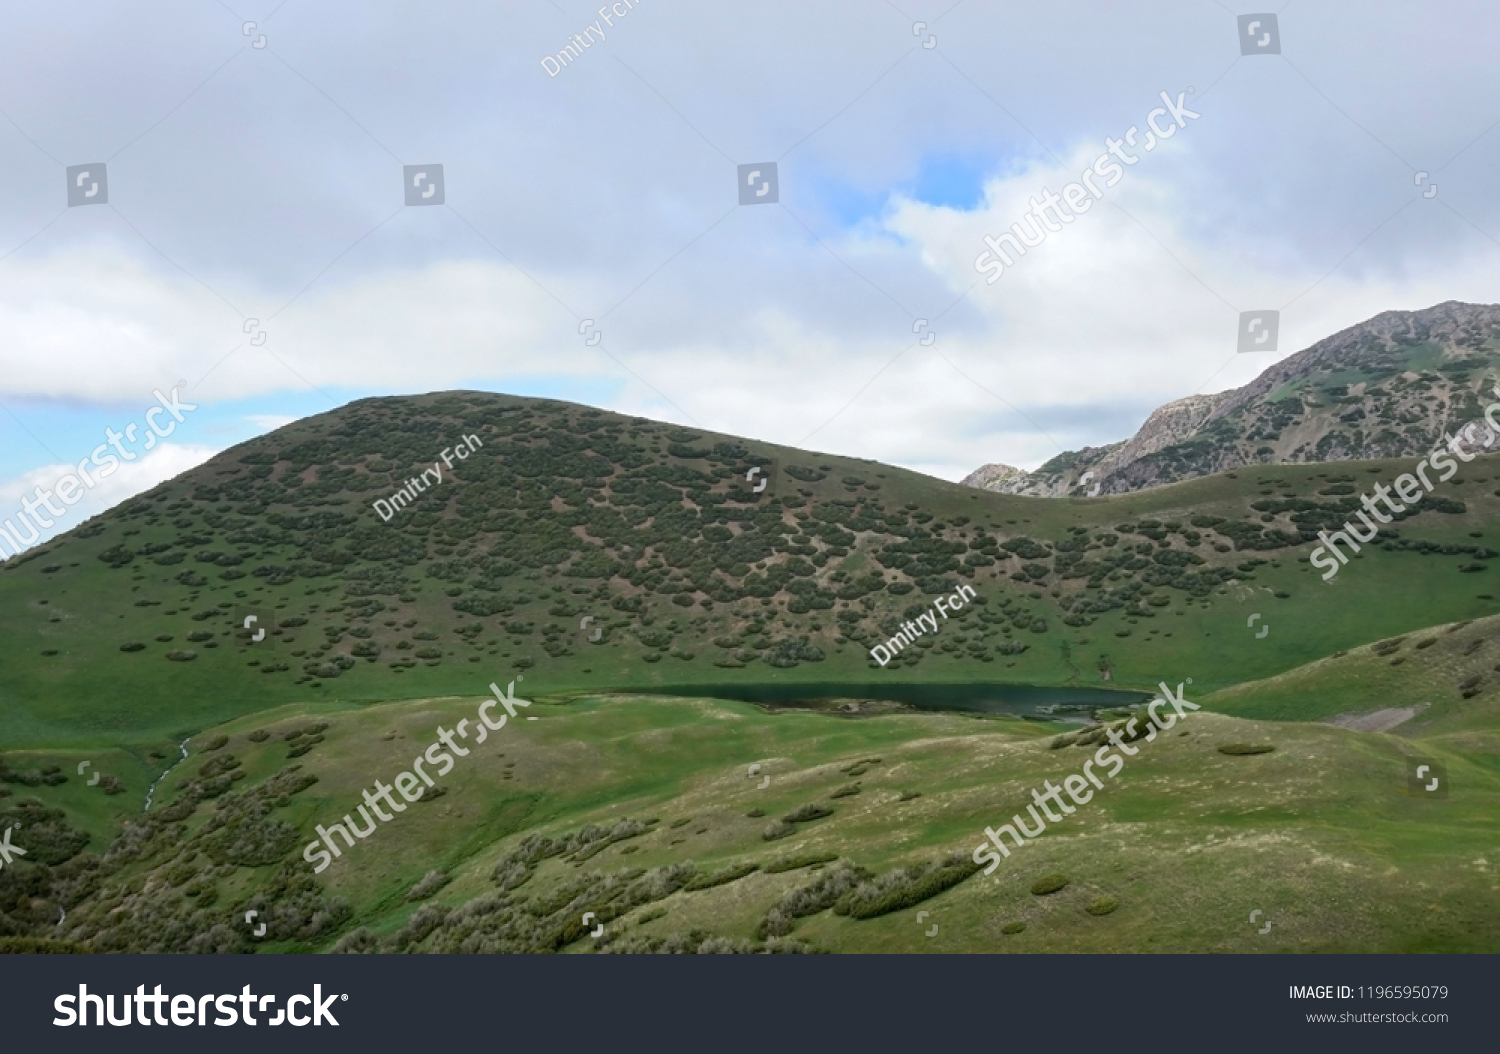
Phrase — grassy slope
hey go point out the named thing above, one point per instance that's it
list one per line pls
(90, 694)
(1319, 834)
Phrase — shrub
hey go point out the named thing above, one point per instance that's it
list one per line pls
(718, 878)
(1013, 927)
(133, 645)
(905, 886)
(807, 813)
(819, 895)
(792, 863)
(779, 829)
(249, 842)
(216, 743)
(183, 655)
(1102, 905)
(909, 795)
(1048, 884)
(41, 946)
(846, 791)
(360, 942)
(429, 884)
(260, 735)
(1237, 749)
(756, 813)
(217, 766)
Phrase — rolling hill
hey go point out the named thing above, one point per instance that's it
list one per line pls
(586, 551)
(638, 583)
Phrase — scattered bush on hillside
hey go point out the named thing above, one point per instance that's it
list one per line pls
(430, 883)
(709, 880)
(779, 829)
(793, 863)
(807, 813)
(1238, 749)
(819, 895)
(905, 886)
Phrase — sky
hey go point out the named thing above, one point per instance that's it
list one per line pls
(251, 242)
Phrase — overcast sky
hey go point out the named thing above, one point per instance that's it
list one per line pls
(266, 183)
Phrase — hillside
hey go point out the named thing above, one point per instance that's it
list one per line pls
(587, 550)
(596, 563)
(1388, 387)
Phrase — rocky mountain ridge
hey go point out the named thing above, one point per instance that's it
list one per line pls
(1392, 386)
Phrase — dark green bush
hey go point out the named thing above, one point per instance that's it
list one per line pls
(1049, 884)
(720, 877)
(807, 813)
(792, 863)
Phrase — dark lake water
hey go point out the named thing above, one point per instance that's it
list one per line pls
(1020, 700)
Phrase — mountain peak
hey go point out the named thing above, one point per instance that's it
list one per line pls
(1388, 387)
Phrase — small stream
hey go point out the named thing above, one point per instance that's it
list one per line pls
(151, 791)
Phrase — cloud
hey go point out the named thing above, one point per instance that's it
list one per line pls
(271, 192)
(131, 478)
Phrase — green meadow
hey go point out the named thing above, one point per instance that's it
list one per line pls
(639, 808)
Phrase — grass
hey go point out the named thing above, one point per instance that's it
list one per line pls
(1251, 803)
(91, 695)
(1319, 835)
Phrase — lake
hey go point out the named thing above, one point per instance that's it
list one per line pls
(1020, 700)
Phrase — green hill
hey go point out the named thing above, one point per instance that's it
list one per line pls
(130, 627)
(601, 562)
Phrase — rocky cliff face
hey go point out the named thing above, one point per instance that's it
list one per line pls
(993, 477)
(1389, 387)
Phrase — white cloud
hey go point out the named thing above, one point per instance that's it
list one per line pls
(131, 478)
